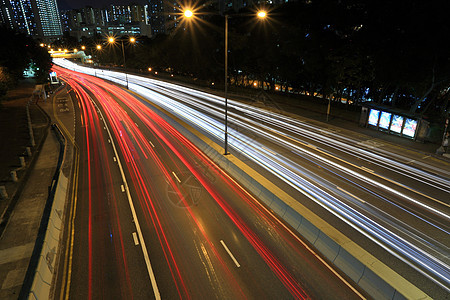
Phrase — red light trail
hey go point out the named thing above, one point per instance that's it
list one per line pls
(131, 139)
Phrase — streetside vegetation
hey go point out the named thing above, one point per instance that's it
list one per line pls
(19, 52)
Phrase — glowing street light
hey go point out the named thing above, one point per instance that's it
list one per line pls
(99, 47)
(132, 40)
(83, 47)
(261, 15)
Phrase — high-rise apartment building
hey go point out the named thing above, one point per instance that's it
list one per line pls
(49, 22)
(164, 15)
(120, 14)
(123, 14)
(157, 18)
(38, 18)
(18, 15)
(116, 20)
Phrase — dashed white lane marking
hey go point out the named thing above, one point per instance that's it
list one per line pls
(122, 188)
(178, 179)
(367, 169)
(230, 254)
(151, 144)
(267, 149)
(114, 158)
(350, 194)
(135, 238)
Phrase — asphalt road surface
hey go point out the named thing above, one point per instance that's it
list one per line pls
(156, 218)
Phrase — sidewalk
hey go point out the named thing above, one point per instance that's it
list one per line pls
(14, 136)
(27, 197)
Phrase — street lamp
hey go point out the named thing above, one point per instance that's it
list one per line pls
(132, 40)
(261, 15)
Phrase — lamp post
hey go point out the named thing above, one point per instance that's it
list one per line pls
(260, 14)
(97, 47)
(226, 86)
(112, 40)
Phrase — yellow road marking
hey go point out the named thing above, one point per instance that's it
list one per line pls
(67, 268)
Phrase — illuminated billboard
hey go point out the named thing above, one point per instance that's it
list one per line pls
(385, 120)
(410, 127)
(373, 117)
(397, 124)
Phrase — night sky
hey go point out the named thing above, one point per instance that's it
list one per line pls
(73, 4)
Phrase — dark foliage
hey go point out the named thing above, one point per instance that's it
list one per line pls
(17, 53)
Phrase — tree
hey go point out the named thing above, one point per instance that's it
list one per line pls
(17, 53)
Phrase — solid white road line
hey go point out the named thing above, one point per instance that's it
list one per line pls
(230, 254)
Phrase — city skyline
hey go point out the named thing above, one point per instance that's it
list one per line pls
(66, 4)
(37, 18)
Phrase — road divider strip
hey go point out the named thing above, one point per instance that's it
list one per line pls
(42, 267)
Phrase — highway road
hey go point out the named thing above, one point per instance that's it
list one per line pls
(156, 218)
(395, 203)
